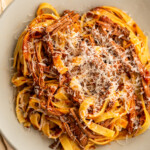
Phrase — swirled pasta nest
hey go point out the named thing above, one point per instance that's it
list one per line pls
(83, 80)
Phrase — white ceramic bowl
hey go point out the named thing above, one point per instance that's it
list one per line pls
(12, 22)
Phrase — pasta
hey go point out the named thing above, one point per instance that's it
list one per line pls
(83, 80)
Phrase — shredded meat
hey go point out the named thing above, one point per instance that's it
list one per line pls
(114, 28)
(132, 116)
(74, 131)
(68, 19)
